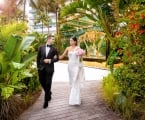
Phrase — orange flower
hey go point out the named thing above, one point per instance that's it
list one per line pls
(128, 54)
(131, 15)
(142, 16)
(136, 41)
(135, 26)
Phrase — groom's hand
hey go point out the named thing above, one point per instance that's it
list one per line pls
(47, 61)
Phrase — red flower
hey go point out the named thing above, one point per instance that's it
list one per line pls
(117, 33)
(141, 31)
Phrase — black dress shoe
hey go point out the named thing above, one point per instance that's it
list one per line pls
(45, 104)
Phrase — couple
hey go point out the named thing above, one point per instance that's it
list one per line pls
(46, 57)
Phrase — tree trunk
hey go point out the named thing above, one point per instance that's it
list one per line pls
(107, 48)
(42, 26)
(58, 29)
(24, 10)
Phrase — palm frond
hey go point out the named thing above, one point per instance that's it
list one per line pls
(72, 8)
(104, 22)
(33, 4)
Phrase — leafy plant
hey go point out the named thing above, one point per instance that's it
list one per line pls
(13, 64)
(111, 90)
(10, 29)
(17, 52)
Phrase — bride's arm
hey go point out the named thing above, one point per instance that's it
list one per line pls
(64, 54)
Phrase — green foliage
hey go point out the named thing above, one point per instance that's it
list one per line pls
(18, 76)
(131, 76)
(40, 39)
(111, 90)
(12, 28)
(132, 85)
(118, 101)
(102, 48)
(128, 44)
(12, 69)
(132, 81)
(111, 59)
(72, 8)
(32, 83)
(71, 31)
(13, 61)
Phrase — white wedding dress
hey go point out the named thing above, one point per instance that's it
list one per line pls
(76, 75)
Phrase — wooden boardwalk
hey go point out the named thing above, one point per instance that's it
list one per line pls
(93, 106)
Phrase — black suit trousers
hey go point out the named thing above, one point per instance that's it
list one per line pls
(45, 79)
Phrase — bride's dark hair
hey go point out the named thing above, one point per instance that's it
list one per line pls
(75, 39)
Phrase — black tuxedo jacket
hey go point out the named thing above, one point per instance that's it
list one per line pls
(49, 67)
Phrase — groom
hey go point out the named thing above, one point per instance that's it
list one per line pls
(46, 57)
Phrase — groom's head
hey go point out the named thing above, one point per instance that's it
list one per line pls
(50, 39)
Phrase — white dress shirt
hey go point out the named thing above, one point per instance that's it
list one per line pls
(47, 50)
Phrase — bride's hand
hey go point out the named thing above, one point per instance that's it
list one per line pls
(60, 57)
(55, 57)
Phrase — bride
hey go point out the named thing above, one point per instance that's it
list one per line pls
(75, 70)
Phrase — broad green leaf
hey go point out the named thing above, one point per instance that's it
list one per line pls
(3, 62)
(18, 86)
(17, 57)
(27, 74)
(0, 68)
(7, 92)
(14, 77)
(29, 57)
(12, 46)
(27, 40)
(17, 65)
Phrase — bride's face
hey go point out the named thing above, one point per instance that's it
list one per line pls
(72, 42)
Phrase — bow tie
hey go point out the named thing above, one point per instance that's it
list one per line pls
(49, 45)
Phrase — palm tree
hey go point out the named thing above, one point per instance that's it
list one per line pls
(99, 11)
(41, 17)
(23, 3)
(49, 6)
(94, 10)
(42, 8)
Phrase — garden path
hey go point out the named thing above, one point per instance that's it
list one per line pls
(93, 106)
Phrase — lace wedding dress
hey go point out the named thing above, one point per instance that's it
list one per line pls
(76, 75)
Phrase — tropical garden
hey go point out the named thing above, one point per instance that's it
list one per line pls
(112, 29)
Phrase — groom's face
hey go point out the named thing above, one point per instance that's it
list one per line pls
(51, 40)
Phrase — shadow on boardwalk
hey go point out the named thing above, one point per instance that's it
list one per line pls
(92, 108)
